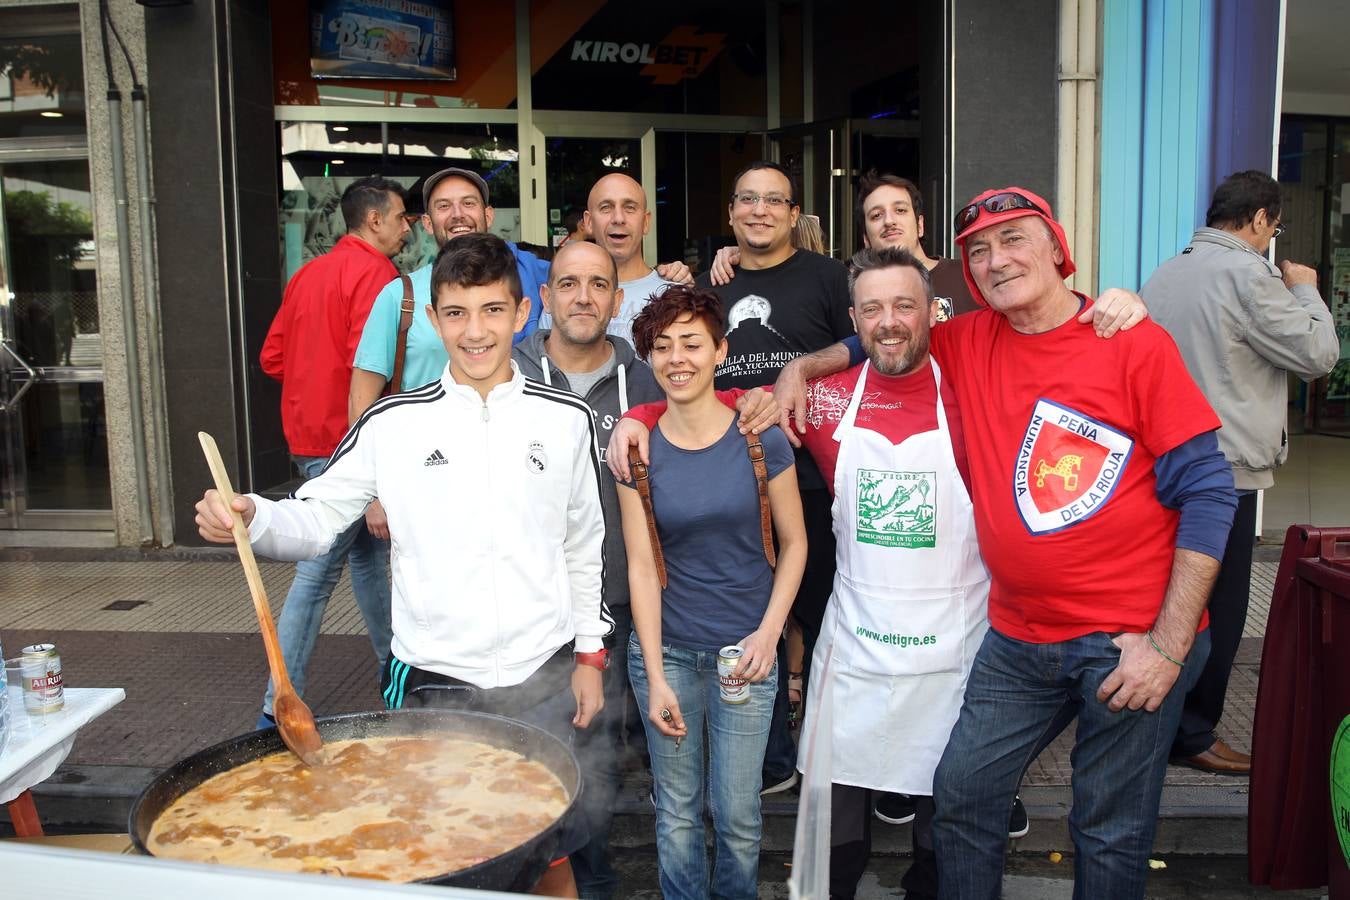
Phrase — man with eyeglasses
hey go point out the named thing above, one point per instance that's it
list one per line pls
(889, 213)
(1242, 325)
(1101, 506)
(782, 303)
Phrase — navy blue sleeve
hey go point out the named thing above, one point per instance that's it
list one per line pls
(1196, 479)
(855, 350)
(777, 451)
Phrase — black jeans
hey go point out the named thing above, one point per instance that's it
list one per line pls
(808, 608)
(851, 844)
(598, 749)
(1227, 616)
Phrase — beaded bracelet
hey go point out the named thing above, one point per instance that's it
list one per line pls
(1162, 651)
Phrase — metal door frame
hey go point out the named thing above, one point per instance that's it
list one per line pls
(547, 125)
(14, 511)
(841, 235)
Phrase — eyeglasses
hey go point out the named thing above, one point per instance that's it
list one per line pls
(1279, 229)
(411, 218)
(772, 201)
(995, 204)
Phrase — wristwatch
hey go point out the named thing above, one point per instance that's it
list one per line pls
(599, 659)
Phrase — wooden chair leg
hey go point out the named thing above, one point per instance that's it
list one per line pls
(24, 816)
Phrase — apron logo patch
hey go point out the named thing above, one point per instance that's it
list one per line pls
(1068, 466)
(897, 509)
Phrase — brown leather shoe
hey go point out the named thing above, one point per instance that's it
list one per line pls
(1220, 748)
(1219, 759)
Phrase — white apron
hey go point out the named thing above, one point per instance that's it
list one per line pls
(909, 607)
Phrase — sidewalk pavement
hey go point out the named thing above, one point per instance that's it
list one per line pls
(176, 630)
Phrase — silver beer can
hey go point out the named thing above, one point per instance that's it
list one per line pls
(43, 692)
(733, 689)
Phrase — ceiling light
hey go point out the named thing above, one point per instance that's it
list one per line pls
(337, 162)
(51, 114)
(341, 128)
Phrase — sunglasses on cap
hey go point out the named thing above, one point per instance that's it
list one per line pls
(996, 204)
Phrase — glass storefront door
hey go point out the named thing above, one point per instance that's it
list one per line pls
(577, 156)
(1314, 175)
(53, 428)
(1332, 401)
(572, 165)
(827, 158)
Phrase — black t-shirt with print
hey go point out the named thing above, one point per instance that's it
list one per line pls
(950, 289)
(775, 315)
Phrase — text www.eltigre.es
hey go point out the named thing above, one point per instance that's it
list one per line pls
(898, 640)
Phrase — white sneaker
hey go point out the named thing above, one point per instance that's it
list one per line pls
(777, 785)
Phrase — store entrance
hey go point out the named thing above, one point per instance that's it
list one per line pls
(576, 156)
(827, 158)
(1314, 175)
(53, 427)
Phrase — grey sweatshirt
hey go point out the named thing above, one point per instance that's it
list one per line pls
(1241, 331)
(631, 383)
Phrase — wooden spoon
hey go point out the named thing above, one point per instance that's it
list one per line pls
(294, 720)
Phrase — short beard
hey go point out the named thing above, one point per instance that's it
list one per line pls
(915, 350)
(564, 333)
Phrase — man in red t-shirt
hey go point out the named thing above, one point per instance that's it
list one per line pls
(1102, 504)
(309, 349)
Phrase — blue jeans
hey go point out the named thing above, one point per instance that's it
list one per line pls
(598, 748)
(302, 613)
(1018, 698)
(736, 735)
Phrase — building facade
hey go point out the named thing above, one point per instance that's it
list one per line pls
(147, 243)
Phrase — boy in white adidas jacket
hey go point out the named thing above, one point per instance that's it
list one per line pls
(491, 485)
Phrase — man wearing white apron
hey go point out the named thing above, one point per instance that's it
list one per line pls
(908, 610)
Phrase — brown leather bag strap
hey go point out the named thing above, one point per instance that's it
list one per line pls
(756, 451)
(405, 317)
(644, 489)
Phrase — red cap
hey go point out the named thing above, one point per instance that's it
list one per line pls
(986, 218)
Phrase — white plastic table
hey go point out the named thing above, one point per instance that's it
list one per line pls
(38, 744)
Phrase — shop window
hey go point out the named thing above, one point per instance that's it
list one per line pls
(319, 160)
(41, 72)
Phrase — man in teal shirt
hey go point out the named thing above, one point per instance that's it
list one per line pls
(456, 203)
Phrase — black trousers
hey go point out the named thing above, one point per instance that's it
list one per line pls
(1227, 616)
(780, 757)
(851, 844)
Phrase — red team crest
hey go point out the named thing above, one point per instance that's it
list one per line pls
(1068, 466)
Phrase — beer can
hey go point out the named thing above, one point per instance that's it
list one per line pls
(40, 666)
(733, 689)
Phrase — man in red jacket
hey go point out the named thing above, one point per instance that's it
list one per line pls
(309, 349)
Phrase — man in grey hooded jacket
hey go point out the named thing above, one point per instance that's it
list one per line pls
(1242, 325)
(575, 354)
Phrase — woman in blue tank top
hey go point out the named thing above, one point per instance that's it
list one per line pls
(720, 589)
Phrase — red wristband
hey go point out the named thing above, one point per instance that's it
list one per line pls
(598, 660)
